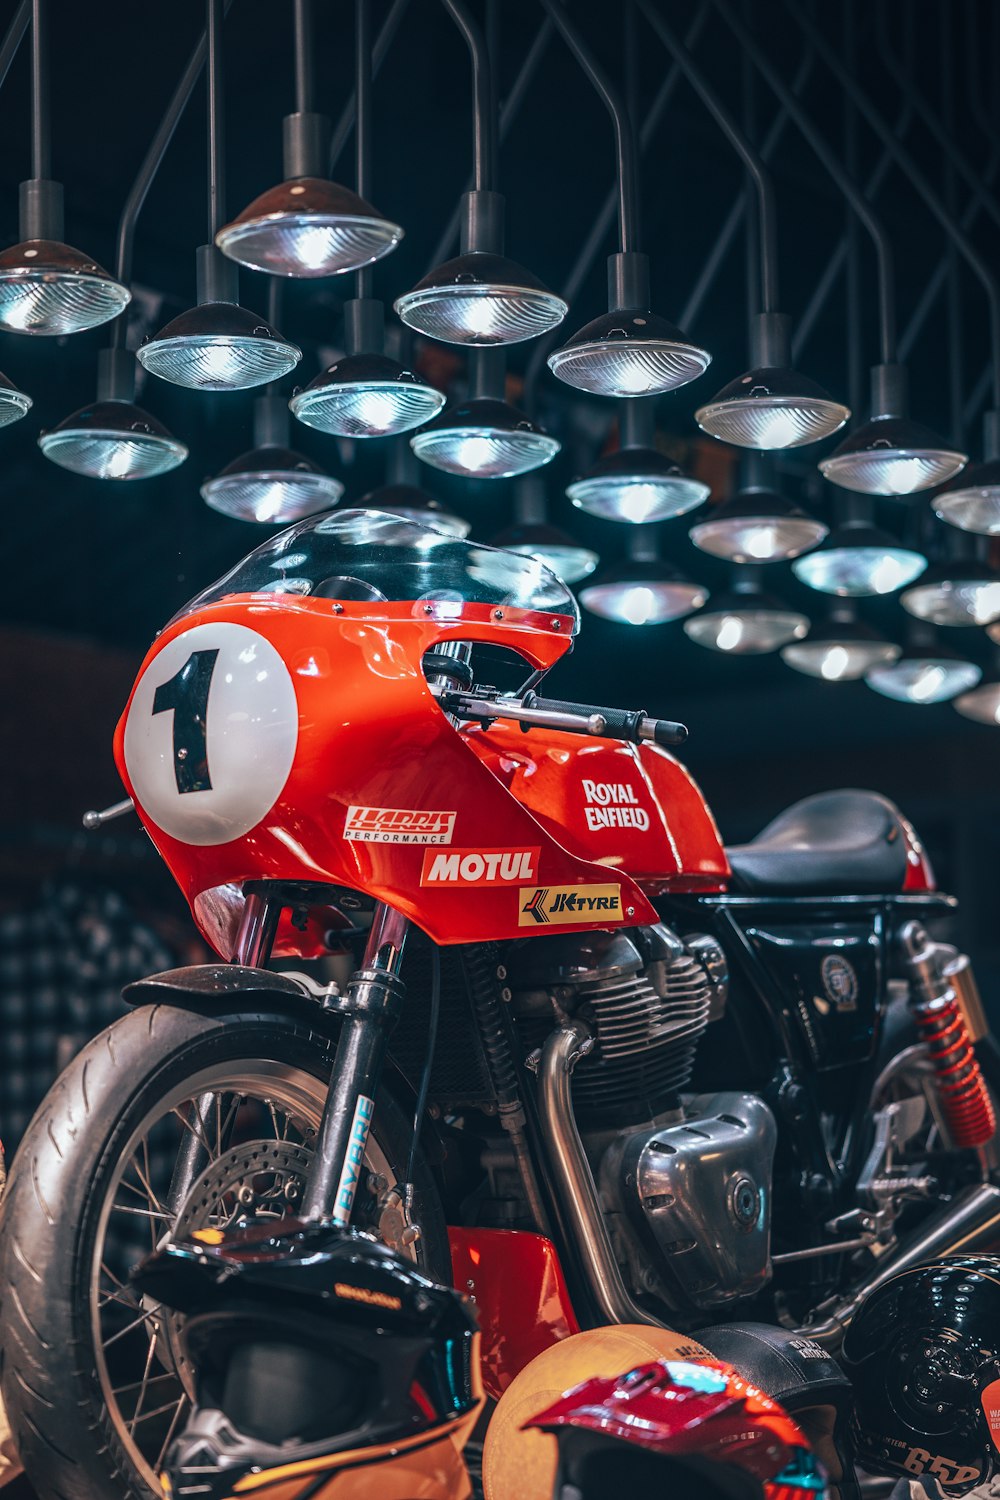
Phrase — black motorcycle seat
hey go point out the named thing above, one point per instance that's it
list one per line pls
(835, 843)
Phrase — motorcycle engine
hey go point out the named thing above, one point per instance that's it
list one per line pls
(647, 997)
(685, 1183)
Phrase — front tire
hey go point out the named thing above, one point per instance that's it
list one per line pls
(91, 1377)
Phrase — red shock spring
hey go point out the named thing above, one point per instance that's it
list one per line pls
(965, 1098)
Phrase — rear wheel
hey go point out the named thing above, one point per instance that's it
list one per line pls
(93, 1380)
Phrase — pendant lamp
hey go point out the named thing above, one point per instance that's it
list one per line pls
(112, 438)
(982, 703)
(972, 502)
(858, 558)
(484, 436)
(840, 647)
(217, 345)
(958, 591)
(402, 495)
(272, 482)
(891, 454)
(481, 297)
(533, 535)
(926, 671)
(757, 524)
(630, 350)
(308, 226)
(636, 482)
(642, 590)
(47, 287)
(744, 620)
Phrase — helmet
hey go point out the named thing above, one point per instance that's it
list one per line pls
(520, 1461)
(799, 1374)
(316, 1350)
(923, 1355)
(683, 1428)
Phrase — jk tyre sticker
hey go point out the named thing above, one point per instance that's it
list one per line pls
(542, 906)
(211, 733)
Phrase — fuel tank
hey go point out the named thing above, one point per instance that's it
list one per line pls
(632, 808)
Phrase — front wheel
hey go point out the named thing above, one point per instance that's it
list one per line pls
(93, 1379)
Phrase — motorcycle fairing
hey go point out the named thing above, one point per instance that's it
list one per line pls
(632, 808)
(369, 736)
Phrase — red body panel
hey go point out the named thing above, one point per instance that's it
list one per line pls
(520, 1293)
(919, 872)
(371, 735)
(629, 808)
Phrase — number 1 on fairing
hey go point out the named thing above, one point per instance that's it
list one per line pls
(186, 696)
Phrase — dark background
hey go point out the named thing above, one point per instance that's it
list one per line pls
(92, 569)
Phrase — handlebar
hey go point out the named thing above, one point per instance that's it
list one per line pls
(578, 718)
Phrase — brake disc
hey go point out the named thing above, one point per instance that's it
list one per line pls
(255, 1180)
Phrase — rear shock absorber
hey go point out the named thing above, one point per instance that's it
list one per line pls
(936, 1007)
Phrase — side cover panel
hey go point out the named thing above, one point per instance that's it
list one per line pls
(626, 807)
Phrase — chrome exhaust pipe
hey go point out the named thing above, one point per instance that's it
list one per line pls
(971, 1221)
(575, 1185)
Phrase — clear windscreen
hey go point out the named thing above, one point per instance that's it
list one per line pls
(369, 555)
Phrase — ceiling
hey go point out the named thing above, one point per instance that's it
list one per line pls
(113, 561)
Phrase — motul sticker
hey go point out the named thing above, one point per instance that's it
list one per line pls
(991, 1406)
(480, 867)
(569, 903)
(398, 825)
(613, 804)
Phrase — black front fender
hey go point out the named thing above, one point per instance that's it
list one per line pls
(211, 988)
(214, 989)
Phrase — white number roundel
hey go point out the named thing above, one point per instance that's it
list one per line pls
(211, 733)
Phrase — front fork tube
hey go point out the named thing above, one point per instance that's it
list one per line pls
(370, 1006)
(254, 941)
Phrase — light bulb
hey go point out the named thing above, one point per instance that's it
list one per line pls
(643, 594)
(637, 485)
(771, 408)
(745, 625)
(366, 395)
(891, 456)
(271, 484)
(480, 298)
(858, 560)
(923, 679)
(955, 601)
(49, 288)
(113, 440)
(308, 227)
(628, 352)
(981, 704)
(484, 439)
(974, 505)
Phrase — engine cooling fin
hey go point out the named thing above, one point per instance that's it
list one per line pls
(645, 1040)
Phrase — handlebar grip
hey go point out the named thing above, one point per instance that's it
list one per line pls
(622, 723)
(667, 732)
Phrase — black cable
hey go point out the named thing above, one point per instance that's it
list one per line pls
(363, 125)
(216, 123)
(484, 121)
(425, 1080)
(41, 138)
(628, 180)
(304, 46)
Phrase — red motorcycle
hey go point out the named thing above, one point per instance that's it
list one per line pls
(557, 1044)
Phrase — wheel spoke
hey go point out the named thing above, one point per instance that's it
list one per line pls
(182, 1405)
(144, 1383)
